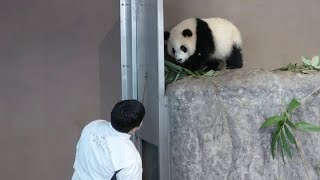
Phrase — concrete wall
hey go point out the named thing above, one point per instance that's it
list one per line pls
(274, 32)
(51, 53)
(110, 61)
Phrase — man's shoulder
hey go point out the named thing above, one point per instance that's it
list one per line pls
(95, 126)
(96, 123)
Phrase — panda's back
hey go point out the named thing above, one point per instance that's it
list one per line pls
(225, 35)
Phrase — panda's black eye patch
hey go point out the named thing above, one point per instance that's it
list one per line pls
(173, 51)
(184, 49)
(187, 33)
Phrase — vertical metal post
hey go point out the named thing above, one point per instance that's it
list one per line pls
(164, 139)
(125, 30)
(128, 49)
(129, 55)
(142, 68)
(134, 49)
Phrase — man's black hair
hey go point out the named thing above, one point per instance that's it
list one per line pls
(126, 115)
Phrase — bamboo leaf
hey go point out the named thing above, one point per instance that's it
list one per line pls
(273, 144)
(197, 73)
(291, 66)
(271, 121)
(285, 68)
(274, 140)
(281, 150)
(173, 66)
(200, 72)
(177, 76)
(290, 136)
(315, 61)
(285, 144)
(293, 105)
(166, 69)
(209, 73)
(188, 71)
(307, 65)
(307, 126)
(306, 61)
(288, 122)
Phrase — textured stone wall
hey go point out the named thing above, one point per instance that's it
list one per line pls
(214, 126)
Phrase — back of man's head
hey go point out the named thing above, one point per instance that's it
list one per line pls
(127, 115)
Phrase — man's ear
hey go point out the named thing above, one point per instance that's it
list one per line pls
(166, 35)
(133, 130)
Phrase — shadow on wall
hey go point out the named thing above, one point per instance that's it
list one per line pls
(110, 72)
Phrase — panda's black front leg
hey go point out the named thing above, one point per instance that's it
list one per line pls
(195, 63)
(215, 64)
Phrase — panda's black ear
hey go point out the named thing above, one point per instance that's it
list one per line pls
(186, 33)
(166, 35)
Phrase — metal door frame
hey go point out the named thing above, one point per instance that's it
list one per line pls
(130, 77)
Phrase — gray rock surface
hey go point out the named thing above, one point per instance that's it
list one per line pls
(214, 126)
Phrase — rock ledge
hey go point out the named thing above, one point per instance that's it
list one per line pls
(214, 126)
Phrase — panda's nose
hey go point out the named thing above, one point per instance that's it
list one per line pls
(180, 59)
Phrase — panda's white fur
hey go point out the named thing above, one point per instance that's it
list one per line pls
(225, 37)
(176, 39)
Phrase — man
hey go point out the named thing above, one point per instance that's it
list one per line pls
(104, 150)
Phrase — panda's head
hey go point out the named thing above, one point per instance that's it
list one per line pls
(181, 40)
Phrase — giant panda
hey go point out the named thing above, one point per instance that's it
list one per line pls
(212, 43)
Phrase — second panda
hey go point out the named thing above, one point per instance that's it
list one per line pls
(214, 43)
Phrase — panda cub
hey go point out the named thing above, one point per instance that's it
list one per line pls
(196, 43)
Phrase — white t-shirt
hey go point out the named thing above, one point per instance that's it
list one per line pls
(101, 150)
